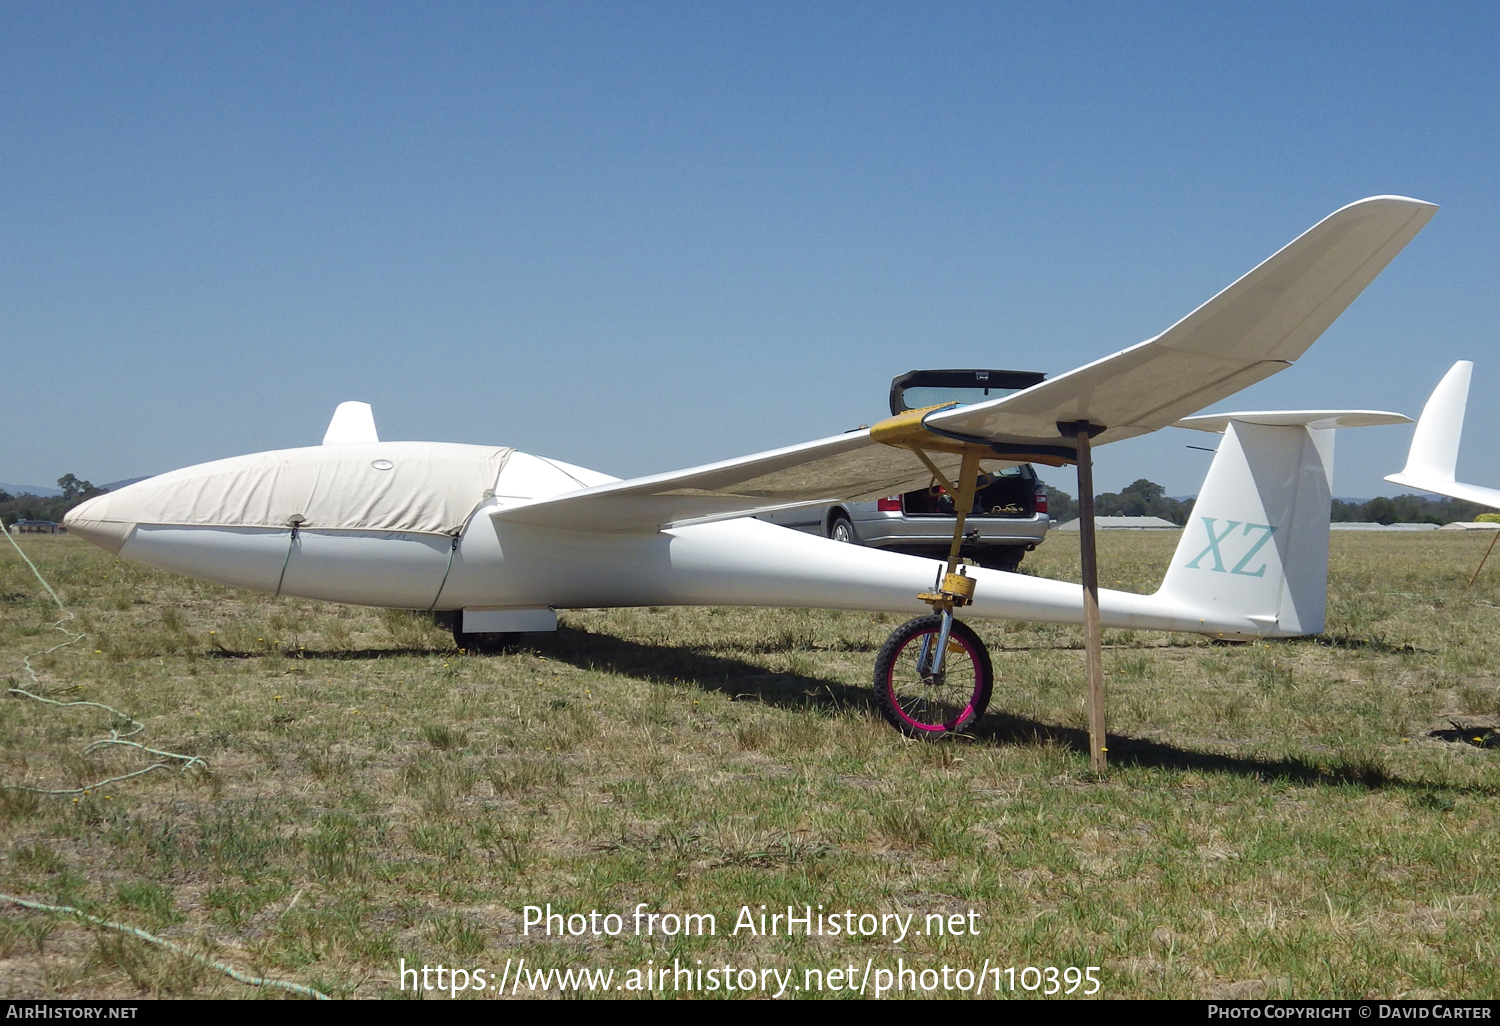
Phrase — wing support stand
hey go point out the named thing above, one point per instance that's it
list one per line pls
(1093, 633)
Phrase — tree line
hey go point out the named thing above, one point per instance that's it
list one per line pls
(47, 507)
(1144, 498)
(1141, 498)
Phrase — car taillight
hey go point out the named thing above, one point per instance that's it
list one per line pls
(1041, 502)
(891, 505)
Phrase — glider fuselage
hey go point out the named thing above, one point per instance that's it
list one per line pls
(490, 563)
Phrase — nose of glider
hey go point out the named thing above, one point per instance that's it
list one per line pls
(102, 520)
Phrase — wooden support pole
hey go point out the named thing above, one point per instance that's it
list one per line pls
(1093, 634)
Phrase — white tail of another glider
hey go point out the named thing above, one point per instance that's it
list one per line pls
(1256, 546)
(1432, 461)
(1434, 445)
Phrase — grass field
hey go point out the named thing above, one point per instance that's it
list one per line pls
(1313, 818)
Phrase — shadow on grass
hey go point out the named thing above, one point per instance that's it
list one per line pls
(1375, 644)
(1342, 640)
(662, 664)
(676, 665)
(1368, 772)
(670, 664)
(1480, 735)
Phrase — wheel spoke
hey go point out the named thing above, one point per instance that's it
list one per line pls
(921, 704)
(928, 700)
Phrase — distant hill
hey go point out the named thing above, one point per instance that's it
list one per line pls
(33, 502)
(115, 486)
(41, 490)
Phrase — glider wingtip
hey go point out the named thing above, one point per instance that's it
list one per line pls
(1392, 200)
(1397, 211)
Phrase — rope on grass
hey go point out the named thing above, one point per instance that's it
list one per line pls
(1482, 559)
(118, 738)
(230, 971)
(115, 736)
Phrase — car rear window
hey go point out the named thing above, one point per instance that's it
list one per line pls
(934, 395)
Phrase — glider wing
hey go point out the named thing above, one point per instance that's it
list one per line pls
(845, 467)
(1253, 329)
(1248, 332)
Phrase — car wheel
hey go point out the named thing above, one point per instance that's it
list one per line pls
(842, 530)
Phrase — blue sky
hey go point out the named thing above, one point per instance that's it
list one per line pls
(642, 236)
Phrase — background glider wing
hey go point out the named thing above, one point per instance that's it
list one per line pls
(1248, 332)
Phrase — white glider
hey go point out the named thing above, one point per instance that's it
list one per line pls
(1432, 460)
(504, 538)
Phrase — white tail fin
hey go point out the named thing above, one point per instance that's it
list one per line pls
(1256, 545)
(353, 423)
(1432, 461)
(1434, 445)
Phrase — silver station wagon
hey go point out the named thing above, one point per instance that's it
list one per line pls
(1009, 517)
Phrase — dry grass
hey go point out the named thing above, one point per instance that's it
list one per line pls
(1279, 819)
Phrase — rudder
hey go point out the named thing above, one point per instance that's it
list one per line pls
(1432, 460)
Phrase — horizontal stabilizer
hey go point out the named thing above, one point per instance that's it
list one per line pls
(353, 423)
(1217, 422)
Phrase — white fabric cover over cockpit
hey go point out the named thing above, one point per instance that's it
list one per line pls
(419, 487)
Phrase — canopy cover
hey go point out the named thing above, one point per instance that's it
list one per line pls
(420, 487)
